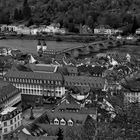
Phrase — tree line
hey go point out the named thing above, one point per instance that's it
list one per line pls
(70, 14)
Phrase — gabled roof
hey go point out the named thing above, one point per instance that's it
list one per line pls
(34, 75)
(96, 82)
(67, 103)
(43, 68)
(91, 69)
(75, 117)
(6, 89)
(72, 70)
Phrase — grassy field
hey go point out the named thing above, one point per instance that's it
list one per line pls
(30, 45)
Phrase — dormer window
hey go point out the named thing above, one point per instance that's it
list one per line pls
(70, 123)
(62, 122)
(56, 121)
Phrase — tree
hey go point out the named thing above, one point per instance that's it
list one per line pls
(74, 133)
(89, 128)
(26, 10)
(30, 22)
(60, 134)
(20, 14)
(16, 14)
(135, 25)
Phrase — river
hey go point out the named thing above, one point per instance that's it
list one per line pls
(30, 45)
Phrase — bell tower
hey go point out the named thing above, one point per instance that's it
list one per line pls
(44, 47)
(39, 45)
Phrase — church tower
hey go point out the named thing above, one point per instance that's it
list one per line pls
(39, 45)
(44, 47)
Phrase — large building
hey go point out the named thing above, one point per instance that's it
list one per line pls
(11, 119)
(36, 85)
(10, 95)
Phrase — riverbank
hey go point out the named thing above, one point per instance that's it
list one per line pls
(58, 38)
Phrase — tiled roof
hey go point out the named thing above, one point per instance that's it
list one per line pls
(72, 70)
(34, 75)
(67, 116)
(91, 69)
(68, 102)
(6, 89)
(35, 130)
(133, 85)
(96, 82)
(23, 136)
(42, 67)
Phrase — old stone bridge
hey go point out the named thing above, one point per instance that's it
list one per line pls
(94, 47)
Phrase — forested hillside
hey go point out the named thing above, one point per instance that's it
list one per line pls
(71, 13)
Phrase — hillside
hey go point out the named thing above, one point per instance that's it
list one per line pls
(72, 13)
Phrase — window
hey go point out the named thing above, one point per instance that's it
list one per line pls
(11, 128)
(62, 122)
(5, 123)
(5, 130)
(18, 117)
(15, 119)
(15, 125)
(70, 123)
(11, 121)
(56, 122)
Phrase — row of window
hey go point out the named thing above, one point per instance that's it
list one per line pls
(35, 81)
(35, 86)
(63, 122)
(37, 91)
(133, 94)
(14, 120)
(15, 126)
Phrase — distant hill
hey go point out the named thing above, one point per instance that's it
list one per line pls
(72, 13)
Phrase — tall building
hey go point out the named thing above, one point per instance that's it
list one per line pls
(11, 119)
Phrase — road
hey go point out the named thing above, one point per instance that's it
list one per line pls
(37, 112)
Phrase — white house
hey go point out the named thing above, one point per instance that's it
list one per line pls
(11, 119)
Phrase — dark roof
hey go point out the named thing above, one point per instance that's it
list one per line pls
(72, 70)
(42, 68)
(92, 69)
(132, 85)
(67, 116)
(34, 75)
(6, 89)
(96, 82)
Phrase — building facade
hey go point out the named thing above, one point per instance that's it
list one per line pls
(34, 83)
(11, 119)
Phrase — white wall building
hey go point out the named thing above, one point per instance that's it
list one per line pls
(11, 119)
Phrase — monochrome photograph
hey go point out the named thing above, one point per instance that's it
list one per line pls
(69, 69)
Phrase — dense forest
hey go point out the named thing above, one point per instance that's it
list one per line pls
(71, 13)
